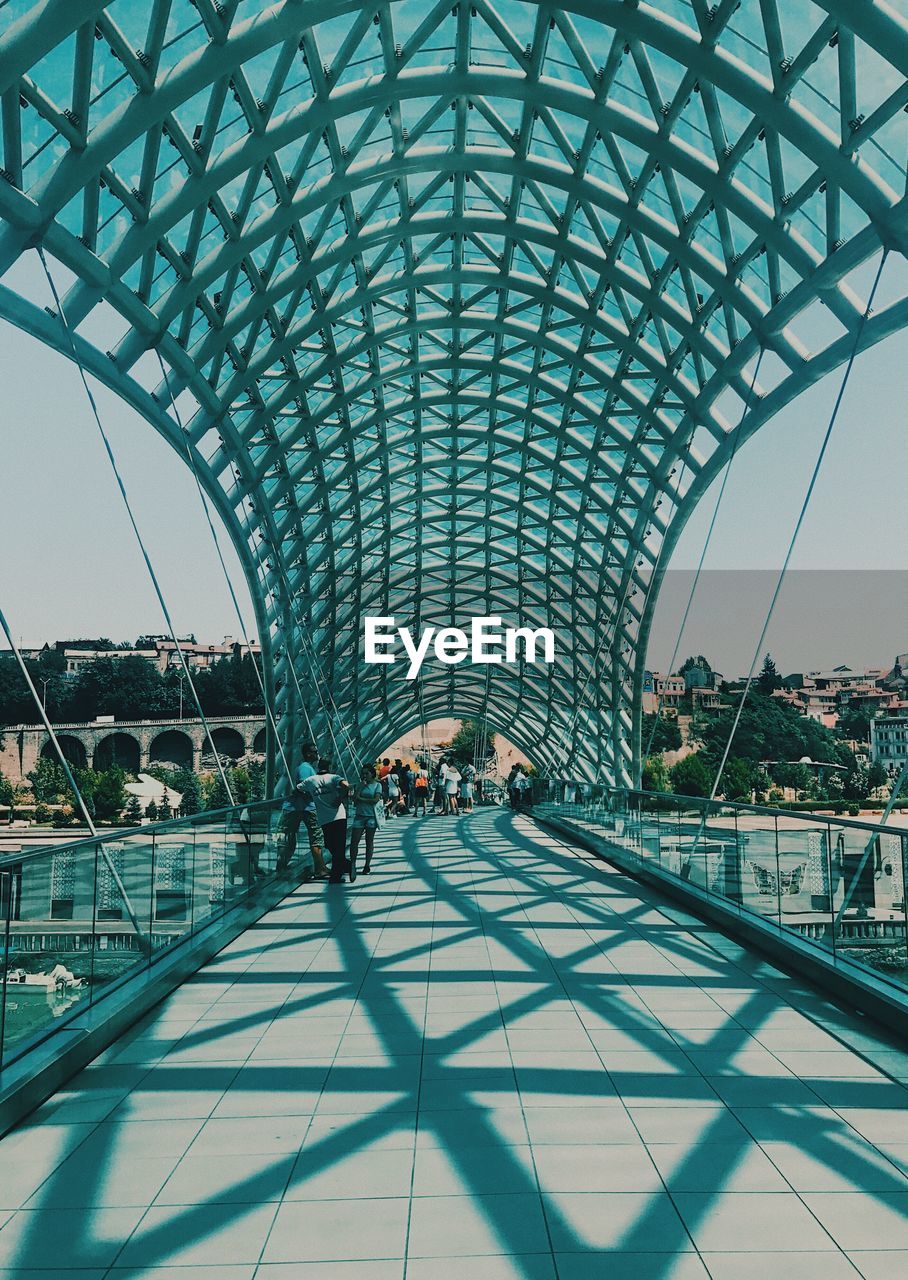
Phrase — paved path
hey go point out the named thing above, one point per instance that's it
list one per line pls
(492, 1058)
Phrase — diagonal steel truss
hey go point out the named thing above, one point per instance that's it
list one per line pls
(460, 302)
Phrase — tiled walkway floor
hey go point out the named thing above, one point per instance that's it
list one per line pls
(492, 1058)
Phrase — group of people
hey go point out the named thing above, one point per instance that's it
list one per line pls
(405, 787)
(408, 789)
(519, 787)
(328, 807)
(325, 804)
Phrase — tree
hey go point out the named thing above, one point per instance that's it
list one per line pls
(877, 776)
(191, 792)
(256, 771)
(7, 795)
(230, 686)
(165, 813)
(467, 740)
(240, 784)
(738, 779)
(856, 784)
(769, 729)
(655, 775)
(48, 782)
(151, 811)
(769, 678)
(698, 661)
(129, 688)
(666, 736)
(854, 723)
(109, 793)
(691, 777)
(215, 792)
(133, 813)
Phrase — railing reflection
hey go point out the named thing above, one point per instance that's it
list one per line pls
(79, 918)
(838, 884)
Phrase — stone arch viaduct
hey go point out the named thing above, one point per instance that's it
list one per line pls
(135, 744)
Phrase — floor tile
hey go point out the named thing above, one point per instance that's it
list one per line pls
(627, 1222)
(43, 1237)
(862, 1221)
(198, 1235)
(794, 1266)
(227, 1179)
(630, 1266)
(745, 1222)
(522, 1266)
(567, 1126)
(361, 1175)
(326, 1230)
(93, 1178)
(251, 1136)
(599, 1168)
(846, 1164)
(463, 1170)
(373, 1269)
(717, 1166)
(880, 1264)
(218, 1271)
(458, 1226)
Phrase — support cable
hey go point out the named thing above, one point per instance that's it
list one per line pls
(190, 455)
(736, 441)
(135, 528)
(800, 521)
(74, 786)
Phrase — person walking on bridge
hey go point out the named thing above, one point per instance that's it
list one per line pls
(299, 809)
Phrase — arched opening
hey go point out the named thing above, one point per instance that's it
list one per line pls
(260, 743)
(577, 368)
(73, 750)
(228, 743)
(117, 749)
(172, 747)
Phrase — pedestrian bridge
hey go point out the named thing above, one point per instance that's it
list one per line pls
(497, 1056)
(454, 310)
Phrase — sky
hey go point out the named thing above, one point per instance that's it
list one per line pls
(70, 566)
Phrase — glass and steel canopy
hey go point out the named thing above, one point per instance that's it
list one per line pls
(460, 303)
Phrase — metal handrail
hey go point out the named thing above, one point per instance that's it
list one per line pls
(152, 828)
(209, 888)
(765, 810)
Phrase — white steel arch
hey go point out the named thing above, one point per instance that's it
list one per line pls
(460, 302)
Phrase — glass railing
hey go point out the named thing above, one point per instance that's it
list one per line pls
(76, 919)
(837, 884)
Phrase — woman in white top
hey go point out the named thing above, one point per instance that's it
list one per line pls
(452, 782)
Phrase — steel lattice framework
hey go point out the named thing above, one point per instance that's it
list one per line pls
(460, 301)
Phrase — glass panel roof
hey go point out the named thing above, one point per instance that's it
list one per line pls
(460, 302)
